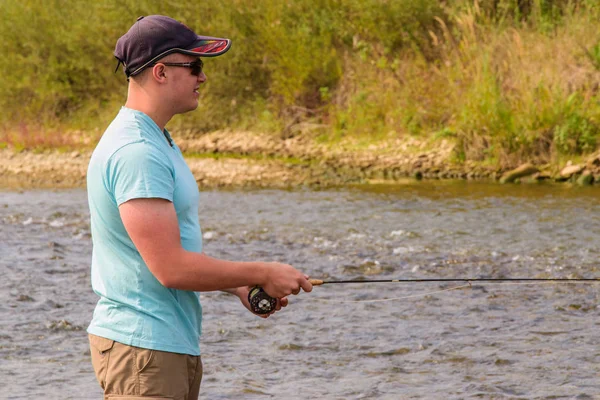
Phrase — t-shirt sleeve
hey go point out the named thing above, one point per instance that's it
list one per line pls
(140, 170)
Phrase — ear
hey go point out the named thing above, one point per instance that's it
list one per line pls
(159, 73)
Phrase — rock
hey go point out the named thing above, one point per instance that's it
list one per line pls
(63, 325)
(560, 179)
(524, 170)
(593, 161)
(570, 170)
(585, 179)
(542, 176)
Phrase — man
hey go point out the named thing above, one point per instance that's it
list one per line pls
(147, 259)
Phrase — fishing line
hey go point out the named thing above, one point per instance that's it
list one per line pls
(469, 286)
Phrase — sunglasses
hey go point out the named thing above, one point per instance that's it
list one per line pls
(196, 66)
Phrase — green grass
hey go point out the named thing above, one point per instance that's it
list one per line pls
(508, 80)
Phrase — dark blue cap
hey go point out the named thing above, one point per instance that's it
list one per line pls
(155, 36)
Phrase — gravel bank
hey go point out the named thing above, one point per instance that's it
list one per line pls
(236, 159)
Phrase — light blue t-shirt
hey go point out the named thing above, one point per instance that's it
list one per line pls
(135, 159)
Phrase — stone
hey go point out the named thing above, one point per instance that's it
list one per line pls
(585, 179)
(524, 170)
(593, 161)
(542, 176)
(570, 170)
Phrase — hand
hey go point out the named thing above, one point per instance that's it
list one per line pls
(283, 280)
(242, 293)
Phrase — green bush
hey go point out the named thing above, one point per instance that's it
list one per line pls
(577, 133)
(354, 68)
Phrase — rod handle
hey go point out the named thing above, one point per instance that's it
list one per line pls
(316, 282)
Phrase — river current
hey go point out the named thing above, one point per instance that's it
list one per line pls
(353, 341)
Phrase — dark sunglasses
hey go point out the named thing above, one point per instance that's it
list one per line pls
(196, 66)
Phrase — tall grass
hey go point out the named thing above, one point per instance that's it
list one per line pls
(508, 80)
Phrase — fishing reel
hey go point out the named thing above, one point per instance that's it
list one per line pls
(260, 302)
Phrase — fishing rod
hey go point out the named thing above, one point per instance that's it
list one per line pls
(318, 282)
(262, 303)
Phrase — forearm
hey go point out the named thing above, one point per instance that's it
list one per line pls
(201, 273)
(153, 227)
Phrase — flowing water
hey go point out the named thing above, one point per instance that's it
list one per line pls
(500, 341)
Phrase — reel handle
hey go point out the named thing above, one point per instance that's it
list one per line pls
(261, 303)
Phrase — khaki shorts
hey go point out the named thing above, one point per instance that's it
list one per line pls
(132, 373)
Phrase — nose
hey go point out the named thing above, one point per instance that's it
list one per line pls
(202, 77)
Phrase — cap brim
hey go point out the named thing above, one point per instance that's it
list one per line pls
(207, 46)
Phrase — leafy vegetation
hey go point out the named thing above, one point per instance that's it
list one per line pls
(509, 80)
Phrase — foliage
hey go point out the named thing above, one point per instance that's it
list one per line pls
(508, 79)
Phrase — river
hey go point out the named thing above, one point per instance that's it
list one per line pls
(488, 341)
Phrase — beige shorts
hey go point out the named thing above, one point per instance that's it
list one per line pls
(132, 373)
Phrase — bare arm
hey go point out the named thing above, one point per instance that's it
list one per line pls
(152, 226)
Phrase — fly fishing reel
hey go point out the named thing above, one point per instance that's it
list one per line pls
(260, 302)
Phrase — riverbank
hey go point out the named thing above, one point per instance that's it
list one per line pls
(238, 159)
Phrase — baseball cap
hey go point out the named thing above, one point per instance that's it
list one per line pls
(155, 36)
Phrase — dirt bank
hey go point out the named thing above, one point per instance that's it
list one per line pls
(247, 159)
(54, 169)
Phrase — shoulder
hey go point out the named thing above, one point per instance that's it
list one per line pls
(130, 137)
(141, 156)
(139, 170)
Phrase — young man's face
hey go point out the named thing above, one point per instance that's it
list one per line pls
(183, 86)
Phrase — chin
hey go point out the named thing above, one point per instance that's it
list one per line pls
(189, 108)
(194, 105)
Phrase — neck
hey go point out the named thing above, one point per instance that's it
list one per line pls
(140, 99)
(159, 118)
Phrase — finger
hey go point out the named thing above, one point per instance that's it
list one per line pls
(306, 285)
(307, 276)
(283, 301)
